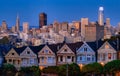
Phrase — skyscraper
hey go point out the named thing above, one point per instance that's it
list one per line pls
(4, 26)
(101, 16)
(84, 22)
(17, 24)
(25, 27)
(108, 22)
(42, 19)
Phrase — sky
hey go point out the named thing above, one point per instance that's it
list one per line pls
(57, 10)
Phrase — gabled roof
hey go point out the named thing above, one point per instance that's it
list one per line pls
(5, 49)
(113, 44)
(95, 45)
(75, 46)
(1, 54)
(36, 49)
(20, 50)
(53, 47)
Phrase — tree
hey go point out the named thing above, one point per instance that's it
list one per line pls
(8, 70)
(93, 69)
(30, 71)
(50, 70)
(4, 40)
(74, 70)
(112, 67)
(36, 71)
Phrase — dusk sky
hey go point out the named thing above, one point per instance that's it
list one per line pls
(60, 10)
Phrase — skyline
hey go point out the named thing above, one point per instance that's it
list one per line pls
(60, 10)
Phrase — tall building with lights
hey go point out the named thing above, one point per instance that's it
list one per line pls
(101, 16)
(25, 27)
(17, 24)
(84, 22)
(4, 26)
(42, 19)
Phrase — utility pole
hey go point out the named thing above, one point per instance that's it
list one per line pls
(67, 69)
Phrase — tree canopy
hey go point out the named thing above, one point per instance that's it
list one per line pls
(112, 67)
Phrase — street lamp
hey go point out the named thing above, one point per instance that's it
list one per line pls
(67, 69)
(102, 63)
(81, 65)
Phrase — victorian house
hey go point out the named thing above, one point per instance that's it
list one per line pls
(29, 57)
(107, 52)
(47, 56)
(86, 54)
(66, 53)
(13, 57)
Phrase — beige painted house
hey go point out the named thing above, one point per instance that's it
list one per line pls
(13, 56)
(28, 58)
(106, 53)
(65, 55)
(47, 56)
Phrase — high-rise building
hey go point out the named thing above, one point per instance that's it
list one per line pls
(101, 16)
(42, 19)
(90, 32)
(84, 22)
(56, 26)
(77, 25)
(13, 29)
(25, 27)
(17, 24)
(4, 25)
(64, 26)
(108, 22)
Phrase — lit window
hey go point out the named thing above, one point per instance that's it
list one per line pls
(109, 55)
(106, 46)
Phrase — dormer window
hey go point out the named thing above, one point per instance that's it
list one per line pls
(50, 52)
(28, 52)
(46, 51)
(12, 53)
(65, 50)
(106, 47)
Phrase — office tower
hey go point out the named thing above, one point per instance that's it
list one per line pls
(84, 22)
(4, 26)
(42, 20)
(13, 29)
(108, 22)
(99, 32)
(90, 32)
(101, 16)
(77, 25)
(64, 26)
(25, 27)
(56, 26)
(17, 24)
